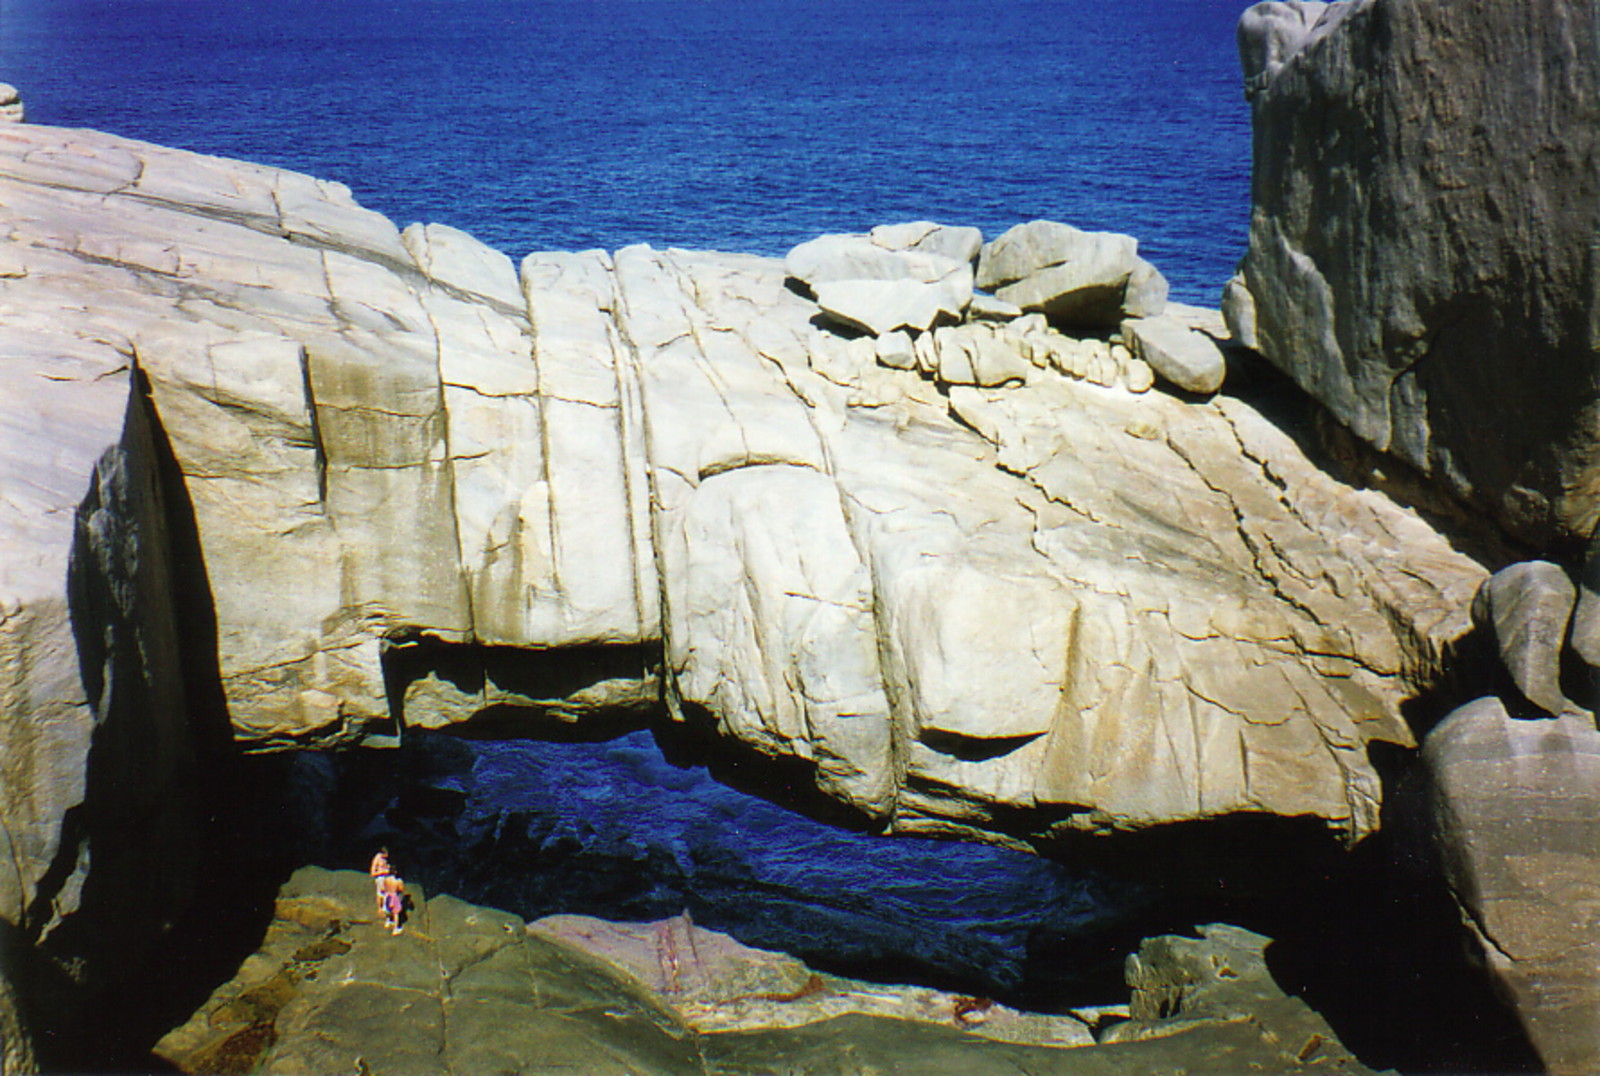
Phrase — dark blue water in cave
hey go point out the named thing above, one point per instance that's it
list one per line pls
(616, 829)
(745, 125)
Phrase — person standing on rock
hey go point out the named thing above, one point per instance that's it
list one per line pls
(379, 870)
(393, 891)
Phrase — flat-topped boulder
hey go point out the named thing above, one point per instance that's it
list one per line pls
(909, 276)
(1183, 357)
(1072, 276)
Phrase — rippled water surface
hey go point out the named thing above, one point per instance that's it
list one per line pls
(744, 125)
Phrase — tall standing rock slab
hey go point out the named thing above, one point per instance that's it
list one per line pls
(1517, 807)
(1425, 197)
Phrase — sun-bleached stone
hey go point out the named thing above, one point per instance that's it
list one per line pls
(11, 110)
(1072, 276)
(1185, 358)
(986, 581)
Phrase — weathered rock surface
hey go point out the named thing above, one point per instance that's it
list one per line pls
(1444, 304)
(1073, 277)
(1188, 359)
(1217, 979)
(1517, 807)
(1528, 607)
(471, 989)
(909, 276)
(11, 110)
(1586, 620)
(881, 306)
(714, 984)
(1067, 601)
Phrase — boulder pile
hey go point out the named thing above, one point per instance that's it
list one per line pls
(1081, 302)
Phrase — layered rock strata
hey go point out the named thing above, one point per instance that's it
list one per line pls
(1007, 583)
(1421, 241)
(471, 989)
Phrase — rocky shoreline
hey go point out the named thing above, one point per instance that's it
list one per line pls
(980, 540)
(471, 989)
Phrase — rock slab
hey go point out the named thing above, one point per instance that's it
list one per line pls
(1020, 587)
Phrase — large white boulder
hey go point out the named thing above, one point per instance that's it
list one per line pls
(1072, 276)
(911, 276)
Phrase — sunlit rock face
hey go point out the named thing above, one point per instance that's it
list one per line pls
(1058, 602)
(1422, 233)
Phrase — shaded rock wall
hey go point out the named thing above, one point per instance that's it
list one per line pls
(1518, 813)
(99, 748)
(1423, 221)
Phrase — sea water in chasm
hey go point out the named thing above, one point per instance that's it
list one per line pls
(617, 829)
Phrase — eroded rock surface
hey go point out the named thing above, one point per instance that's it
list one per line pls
(472, 989)
(1072, 276)
(1443, 305)
(1009, 584)
(1517, 808)
(1528, 606)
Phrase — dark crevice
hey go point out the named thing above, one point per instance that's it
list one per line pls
(974, 748)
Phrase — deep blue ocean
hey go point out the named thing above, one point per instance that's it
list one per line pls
(741, 125)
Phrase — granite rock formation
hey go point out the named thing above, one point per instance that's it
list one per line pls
(1422, 231)
(1528, 608)
(1092, 279)
(1516, 817)
(11, 110)
(471, 989)
(911, 276)
(1106, 606)
(952, 600)
(1182, 356)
